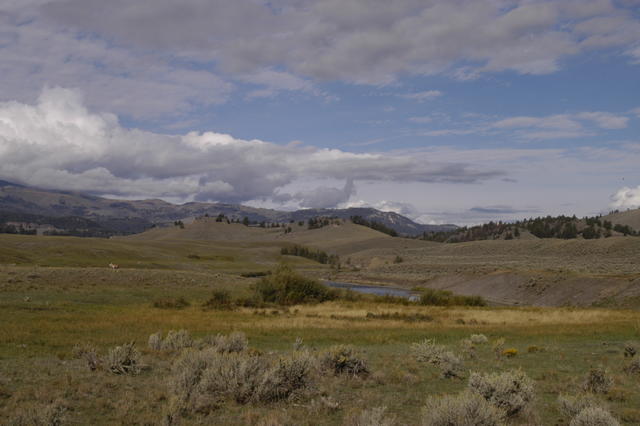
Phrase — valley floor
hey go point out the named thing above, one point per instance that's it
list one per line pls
(45, 312)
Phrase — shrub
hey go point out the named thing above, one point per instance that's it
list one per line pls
(176, 340)
(428, 351)
(533, 349)
(597, 381)
(511, 391)
(123, 359)
(630, 350)
(375, 416)
(465, 409)
(285, 287)
(433, 297)
(344, 359)
(88, 353)
(220, 299)
(478, 339)
(570, 405)
(235, 342)
(594, 416)
(155, 341)
(633, 367)
(203, 380)
(171, 303)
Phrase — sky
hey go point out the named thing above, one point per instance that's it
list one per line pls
(446, 111)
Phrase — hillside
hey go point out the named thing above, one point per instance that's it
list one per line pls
(119, 217)
(629, 218)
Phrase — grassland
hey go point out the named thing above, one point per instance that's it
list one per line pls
(57, 292)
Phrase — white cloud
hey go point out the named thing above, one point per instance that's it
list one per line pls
(422, 96)
(57, 143)
(626, 198)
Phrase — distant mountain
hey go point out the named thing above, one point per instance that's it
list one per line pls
(39, 208)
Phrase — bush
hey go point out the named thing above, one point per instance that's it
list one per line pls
(155, 341)
(123, 359)
(428, 351)
(203, 380)
(344, 359)
(174, 341)
(633, 367)
(511, 391)
(570, 405)
(285, 287)
(88, 353)
(479, 339)
(235, 342)
(433, 297)
(375, 416)
(597, 381)
(465, 409)
(171, 303)
(220, 299)
(594, 416)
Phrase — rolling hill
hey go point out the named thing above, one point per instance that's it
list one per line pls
(119, 217)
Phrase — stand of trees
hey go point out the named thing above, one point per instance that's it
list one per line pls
(564, 227)
(317, 255)
(359, 220)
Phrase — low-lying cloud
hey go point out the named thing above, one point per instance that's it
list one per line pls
(626, 198)
(57, 143)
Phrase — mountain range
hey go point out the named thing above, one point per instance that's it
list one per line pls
(82, 214)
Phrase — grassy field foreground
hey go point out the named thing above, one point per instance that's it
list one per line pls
(47, 314)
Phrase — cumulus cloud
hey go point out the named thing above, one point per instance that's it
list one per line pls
(325, 197)
(58, 143)
(626, 198)
(163, 57)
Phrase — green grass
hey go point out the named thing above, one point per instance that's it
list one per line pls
(60, 293)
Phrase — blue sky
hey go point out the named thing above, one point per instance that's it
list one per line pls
(446, 111)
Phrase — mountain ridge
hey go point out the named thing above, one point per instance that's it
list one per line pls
(118, 216)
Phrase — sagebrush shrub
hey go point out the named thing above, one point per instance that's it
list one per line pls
(155, 341)
(478, 339)
(465, 409)
(344, 359)
(597, 381)
(594, 416)
(428, 351)
(123, 359)
(633, 367)
(234, 342)
(376, 416)
(175, 340)
(88, 353)
(571, 405)
(203, 380)
(511, 391)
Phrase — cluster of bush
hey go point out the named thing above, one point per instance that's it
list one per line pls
(433, 297)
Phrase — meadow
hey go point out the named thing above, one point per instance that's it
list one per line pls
(59, 302)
